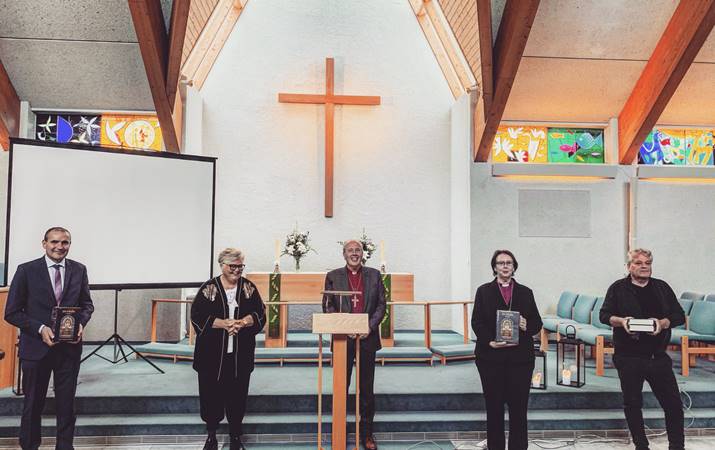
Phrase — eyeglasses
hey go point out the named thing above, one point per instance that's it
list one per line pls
(235, 267)
(504, 263)
(642, 263)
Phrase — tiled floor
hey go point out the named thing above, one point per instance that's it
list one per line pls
(584, 443)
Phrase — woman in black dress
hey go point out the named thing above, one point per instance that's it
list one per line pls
(227, 313)
(505, 369)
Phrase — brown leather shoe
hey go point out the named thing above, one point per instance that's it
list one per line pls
(369, 443)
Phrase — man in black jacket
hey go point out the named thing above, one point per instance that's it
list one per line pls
(641, 356)
(371, 300)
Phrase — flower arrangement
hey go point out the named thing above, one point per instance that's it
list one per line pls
(368, 247)
(297, 246)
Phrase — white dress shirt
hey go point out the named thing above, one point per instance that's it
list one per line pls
(232, 307)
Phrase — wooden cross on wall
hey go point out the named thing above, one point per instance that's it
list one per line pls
(329, 99)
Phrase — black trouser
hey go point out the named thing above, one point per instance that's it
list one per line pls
(227, 394)
(658, 372)
(506, 382)
(367, 382)
(35, 381)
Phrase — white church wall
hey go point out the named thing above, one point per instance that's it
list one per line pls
(392, 162)
(460, 217)
(550, 265)
(675, 221)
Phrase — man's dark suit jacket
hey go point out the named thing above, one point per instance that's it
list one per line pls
(374, 295)
(31, 299)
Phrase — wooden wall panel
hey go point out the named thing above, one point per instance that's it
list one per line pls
(199, 14)
(462, 17)
(8, 337)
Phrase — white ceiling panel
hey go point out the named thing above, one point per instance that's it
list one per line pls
(603, 29)
(568, 90)
(77, 75)
(694, 100)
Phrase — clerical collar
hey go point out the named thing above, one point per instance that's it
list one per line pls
(505, 284)
(354, 272)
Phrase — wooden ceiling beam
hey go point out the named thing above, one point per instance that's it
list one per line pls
(484, 21)
(511, 40)
(685, 34)
(177, 34)
(9, 110)
(153, 44)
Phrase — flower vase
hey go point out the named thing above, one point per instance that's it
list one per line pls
(297, 264)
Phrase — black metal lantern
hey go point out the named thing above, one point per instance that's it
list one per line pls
(538, 377)
(570, 360)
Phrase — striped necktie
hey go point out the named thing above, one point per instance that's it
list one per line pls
(58, 283)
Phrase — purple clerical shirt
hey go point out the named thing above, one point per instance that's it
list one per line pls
(506, 291)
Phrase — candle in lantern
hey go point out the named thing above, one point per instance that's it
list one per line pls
(566, 376)
(536, 380)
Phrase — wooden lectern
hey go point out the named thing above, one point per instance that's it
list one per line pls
(340, 326)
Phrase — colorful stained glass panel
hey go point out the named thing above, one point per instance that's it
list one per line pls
(520, 144)
(64, 128)
(663, 147)
(699, 147)
(576, 145)
(131, 131)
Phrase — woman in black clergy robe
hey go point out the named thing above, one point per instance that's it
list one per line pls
(505, 369)
(226, 314)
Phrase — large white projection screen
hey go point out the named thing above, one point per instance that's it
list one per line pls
(137, 219)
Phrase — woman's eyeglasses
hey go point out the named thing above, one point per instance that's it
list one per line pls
(235, 267)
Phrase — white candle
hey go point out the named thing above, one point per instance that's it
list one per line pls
(278, 251)
(536, 380)
(566, 376)
(382, 252)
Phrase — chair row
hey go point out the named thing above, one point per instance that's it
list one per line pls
(695, 338)
(695, 296)
(581, 311)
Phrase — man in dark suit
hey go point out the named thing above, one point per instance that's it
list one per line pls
(371, 300)
(37, 287)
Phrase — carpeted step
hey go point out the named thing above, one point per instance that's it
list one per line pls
(416, 421)
(552, 399)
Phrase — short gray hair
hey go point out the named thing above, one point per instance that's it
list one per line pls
(350, 241)
(639, 251)
(230, 254)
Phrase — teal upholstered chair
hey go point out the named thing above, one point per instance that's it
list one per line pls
(710, 298)
(702, 330)
(687, 306)
(564, 311)
(688, 295)
(582, 310)
(597, 335)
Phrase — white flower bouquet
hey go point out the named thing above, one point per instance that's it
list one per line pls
(297, 246)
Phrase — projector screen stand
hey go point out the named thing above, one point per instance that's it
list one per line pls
(117, 343)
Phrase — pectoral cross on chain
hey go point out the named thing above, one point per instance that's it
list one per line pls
(355, 300)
